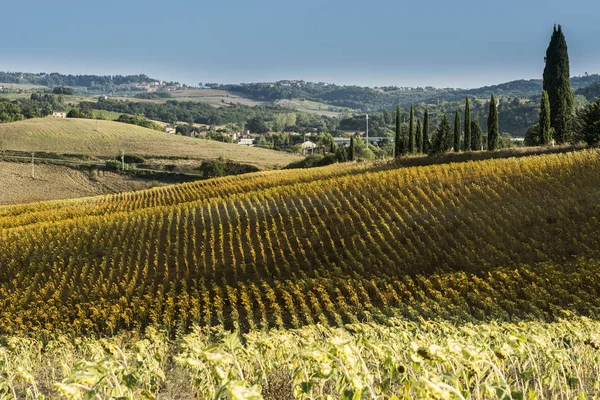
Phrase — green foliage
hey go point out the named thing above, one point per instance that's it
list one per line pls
(589, 123)
(492, 125)
(556, 81)
(351, 150)
(63, 90)
(10, 112)
(476, 136)
(399, 148)
(545, 128)
(442, 140)
(131, 159)
(258, 119)
(426, 142)
(419, 137)
(412, 148)
(532, 137)
(153, 95)
(467, 127)
(591, 92)
(257, 125)
(83, 111)
(137, 120)
(456, 134)
(315, 160)
(216, 168)
(112, 165)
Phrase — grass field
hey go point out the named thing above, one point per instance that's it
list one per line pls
(22, 86)
(314, 107)
(107, 138)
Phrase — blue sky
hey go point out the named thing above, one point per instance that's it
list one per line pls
(461, 43)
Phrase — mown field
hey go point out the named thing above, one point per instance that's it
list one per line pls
(350, 264)
(55, 182)
(107, 138)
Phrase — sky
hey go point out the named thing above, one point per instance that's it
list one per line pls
(462, 43)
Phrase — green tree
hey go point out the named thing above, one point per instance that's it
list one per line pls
(545, 128)
(412, 148)
(532, 136)
(556, 81)
(419, 137)
(456, 135)
(351, 149)
(492, 125)
(467, 125)
(476, 135)
(426, 144)
(442, 138)
(590, 123)
(399, 148)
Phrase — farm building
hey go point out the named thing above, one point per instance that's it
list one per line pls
(59, 114)
(308, 145)
(170, 129)
(246, 142)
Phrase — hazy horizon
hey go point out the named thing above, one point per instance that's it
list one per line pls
(381, 43)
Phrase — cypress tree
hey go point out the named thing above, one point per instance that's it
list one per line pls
(492, 125)
(398, 139)
(412, 148)
(476, 135)
(467, 125)
(545, 121)
(442, 138)
(419, 137)
(351, 149)
(558, 85)
(426, 144)
(457, 132)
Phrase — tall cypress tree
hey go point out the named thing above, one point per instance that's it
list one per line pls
(476, 135)
(351, 149)
(467, 125)
(558, 85)
(398, 138)
(545, 121)
(426, 144)
(419, 136)
(412, 148)
(492, 125)
(442, 140)
(457, 131)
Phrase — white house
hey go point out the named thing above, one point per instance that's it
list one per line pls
(246, 142)
(59, 114)
(308, 145)
(170, 129)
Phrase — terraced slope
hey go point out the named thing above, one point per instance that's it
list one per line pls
(107, 138)
(491, 239)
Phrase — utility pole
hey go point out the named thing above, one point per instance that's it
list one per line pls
(122, 160)
(367, 131)
(32, 166)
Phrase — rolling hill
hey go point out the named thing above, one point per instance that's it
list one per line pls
(334, 245)
(107, 138)
(56, 182)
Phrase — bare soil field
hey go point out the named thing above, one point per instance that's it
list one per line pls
(53, 182)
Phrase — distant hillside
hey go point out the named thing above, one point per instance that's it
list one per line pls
(591, 92)
(107, 138)
(378, 99)
(99, 82)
